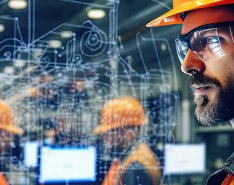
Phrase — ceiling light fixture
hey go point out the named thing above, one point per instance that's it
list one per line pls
(163, 47)
(2, 28)
(38, 52)
(18, 63)
(9, 70)
(55, 44)
(17, 4)
(66, 34)
(96, 13)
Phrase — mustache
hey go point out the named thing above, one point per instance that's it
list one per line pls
(204, 80)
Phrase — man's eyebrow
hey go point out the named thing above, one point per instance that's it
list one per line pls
(204, 33)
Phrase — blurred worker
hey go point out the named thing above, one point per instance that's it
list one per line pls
(46, 94)
(206, 52)
(133, 161)
(80, 94)
(7, 129)
(49, 131)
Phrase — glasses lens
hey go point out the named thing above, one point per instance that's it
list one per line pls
(209, 44)
(181, 48)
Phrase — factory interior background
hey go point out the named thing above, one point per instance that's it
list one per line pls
(60, 63)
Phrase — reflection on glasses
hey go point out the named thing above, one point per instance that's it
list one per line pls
(209, 42)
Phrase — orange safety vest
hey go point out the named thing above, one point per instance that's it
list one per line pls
(143, 155)
(229, 180)
(3, 180)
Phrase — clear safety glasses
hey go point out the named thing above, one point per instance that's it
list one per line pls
(209, 42)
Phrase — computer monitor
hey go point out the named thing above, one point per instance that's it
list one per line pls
(184, 159)
(67, 165)
(30, 153)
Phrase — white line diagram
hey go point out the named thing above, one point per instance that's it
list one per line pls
(51, 62)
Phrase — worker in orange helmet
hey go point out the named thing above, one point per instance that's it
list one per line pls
(8, 128)
(133, 162)
(206, 51)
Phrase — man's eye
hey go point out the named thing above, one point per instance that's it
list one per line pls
(211, 40)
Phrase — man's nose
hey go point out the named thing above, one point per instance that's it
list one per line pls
(192, 64)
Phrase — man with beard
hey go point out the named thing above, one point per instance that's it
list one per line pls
(206, 52)
(132, 160)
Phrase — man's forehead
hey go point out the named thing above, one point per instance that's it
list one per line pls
(205, 16)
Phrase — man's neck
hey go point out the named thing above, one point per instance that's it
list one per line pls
(232, 122)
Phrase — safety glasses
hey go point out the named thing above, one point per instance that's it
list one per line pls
(209, 42)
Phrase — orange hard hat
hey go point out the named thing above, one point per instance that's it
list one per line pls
(181, 6)
(120, 112)
(7, 120)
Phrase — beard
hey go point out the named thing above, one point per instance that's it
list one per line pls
(219, 109)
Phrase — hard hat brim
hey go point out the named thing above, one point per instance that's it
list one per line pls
(173, 16)
(106, 127)
(13, 129)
